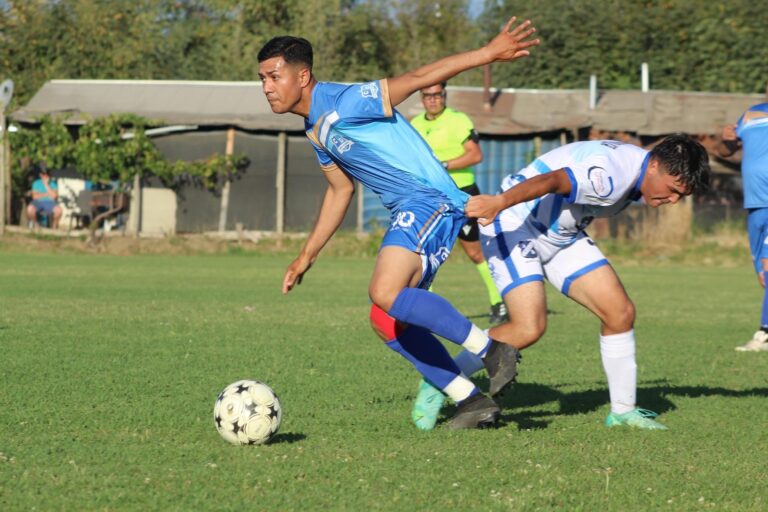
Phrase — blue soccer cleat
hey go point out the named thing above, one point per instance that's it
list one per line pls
(637, 418)
(426, 408)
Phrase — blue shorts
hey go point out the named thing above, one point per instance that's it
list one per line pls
(428, 229)
(45, 206)
(757, 227)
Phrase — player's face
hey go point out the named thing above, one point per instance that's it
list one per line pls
(660, 188)
(283, 83)
(433, 99)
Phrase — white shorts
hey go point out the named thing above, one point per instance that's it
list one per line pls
(519, 254)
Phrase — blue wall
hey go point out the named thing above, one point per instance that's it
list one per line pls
(500, 157)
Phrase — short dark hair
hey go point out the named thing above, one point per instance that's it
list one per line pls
(295, 50)
(685, 158)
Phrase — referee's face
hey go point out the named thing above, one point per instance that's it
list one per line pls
(433, 99)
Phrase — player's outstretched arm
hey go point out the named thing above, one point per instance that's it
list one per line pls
(485, 208)
(509, 45)
(337, 198)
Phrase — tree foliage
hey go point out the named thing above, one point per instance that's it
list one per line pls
(689, 44)
(111, 149)
(711, 45)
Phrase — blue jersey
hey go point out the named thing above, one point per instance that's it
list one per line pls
(355, 128)
(752, 129)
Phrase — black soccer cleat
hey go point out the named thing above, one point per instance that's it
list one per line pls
(501, 362)
(477, 411)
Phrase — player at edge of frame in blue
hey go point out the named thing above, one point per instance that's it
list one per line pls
(357, 133)
(750, 134)
(535, 230)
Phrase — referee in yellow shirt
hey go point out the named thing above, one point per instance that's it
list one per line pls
(454, 141)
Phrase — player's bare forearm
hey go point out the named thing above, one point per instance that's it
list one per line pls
(336, 202)
(487, 207)
(727, 148)
(509, 45)
(472, 155)
(334, 207)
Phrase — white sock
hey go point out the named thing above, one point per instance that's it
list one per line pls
(468, 362)
(459, 388)
(618, 354)
(477, 341)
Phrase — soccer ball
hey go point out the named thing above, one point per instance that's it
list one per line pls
(247, 412)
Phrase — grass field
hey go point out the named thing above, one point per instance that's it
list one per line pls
(111, 365)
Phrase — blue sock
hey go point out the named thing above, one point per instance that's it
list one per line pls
(432, 312)
(764, 314)
(433, 361)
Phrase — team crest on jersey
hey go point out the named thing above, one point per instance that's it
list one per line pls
(369, 90)
(404, 220)
(342, 144)
(602, 184)
(438, 257)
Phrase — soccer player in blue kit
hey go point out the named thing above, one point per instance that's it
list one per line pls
(534, 230)
(751, 135)
(357, 134)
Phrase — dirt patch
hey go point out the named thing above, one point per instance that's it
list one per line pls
(47, 240)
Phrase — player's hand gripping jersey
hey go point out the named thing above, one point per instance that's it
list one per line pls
(605, 178)
(356, 128)
(752, 129)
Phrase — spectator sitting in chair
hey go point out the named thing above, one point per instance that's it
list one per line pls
(44, 196)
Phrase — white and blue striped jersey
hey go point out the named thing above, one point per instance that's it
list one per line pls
(752, 129)
(605, 178)
(356, 128)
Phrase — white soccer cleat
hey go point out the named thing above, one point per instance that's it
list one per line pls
(758, 343)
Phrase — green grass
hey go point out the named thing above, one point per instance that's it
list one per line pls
(111, 365)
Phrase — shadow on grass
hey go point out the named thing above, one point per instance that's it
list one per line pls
(288, 437)
(518, 404)
(485, 315)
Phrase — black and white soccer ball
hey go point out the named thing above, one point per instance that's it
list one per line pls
(247, 412)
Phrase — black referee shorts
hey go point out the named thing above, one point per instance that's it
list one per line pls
(471, 231)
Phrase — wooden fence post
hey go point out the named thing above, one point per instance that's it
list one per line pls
(229, 151)
(282, 140)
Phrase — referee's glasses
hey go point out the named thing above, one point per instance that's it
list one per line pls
(432, 95)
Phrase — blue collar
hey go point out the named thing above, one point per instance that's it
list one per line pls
(636, 195)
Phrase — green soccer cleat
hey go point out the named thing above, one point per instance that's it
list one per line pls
(426, 408)
(638, 418)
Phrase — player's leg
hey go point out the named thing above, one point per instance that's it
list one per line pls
(413, 249)
(517, 271)
(57, 212)
(31, 215)
(757, 227)
(582, 273)
(469, 237)
(411, 254)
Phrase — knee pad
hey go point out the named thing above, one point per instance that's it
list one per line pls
(385, 324)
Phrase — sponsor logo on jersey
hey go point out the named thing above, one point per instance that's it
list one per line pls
(602, 184)
(369, 90)
(342, 144)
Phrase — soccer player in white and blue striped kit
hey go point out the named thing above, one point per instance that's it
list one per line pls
(751, 135)
(535, 230)
(357, 134)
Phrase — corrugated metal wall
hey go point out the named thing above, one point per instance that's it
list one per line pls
(500, 157)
